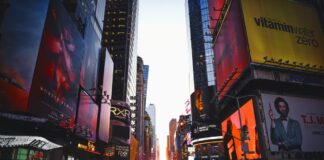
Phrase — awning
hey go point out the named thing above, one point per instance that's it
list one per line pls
(30, 141)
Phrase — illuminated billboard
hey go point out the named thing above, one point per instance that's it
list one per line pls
(230, 49)
(56, 79)
(232, 137)
(105, 102)
(120, 122)
(285, 31)
(20, 36)
(303, 119)
(86, 124)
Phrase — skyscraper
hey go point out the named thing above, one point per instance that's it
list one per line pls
(137, 120)
(202, 53)
(119, 36)
(152, 112)
(146, 74)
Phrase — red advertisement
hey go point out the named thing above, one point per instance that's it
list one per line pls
(215, 9)
(232, 137)
(86, 124)
(231, 51)
(56, 79)
(105, 103)
(20, 36)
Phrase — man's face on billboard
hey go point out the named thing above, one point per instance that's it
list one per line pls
(283, 109)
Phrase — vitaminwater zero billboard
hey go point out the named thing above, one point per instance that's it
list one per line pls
(285, 31)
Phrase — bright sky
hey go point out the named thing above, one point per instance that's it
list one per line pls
(162, 43)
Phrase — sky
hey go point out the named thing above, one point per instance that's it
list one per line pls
(163, 45)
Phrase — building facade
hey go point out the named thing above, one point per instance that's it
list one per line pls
(140, 108)
(119, 37)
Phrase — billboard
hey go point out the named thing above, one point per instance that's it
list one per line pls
(304, 124)
(89, 69)
(230, 49)
(56, 79)
(20, 37)
(282, 29)
(86, 124)
(120, 122)
(232, 137)
(105, 103)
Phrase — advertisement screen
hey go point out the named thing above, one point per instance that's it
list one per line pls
(20, 36)
(105, 103)
(120, 123)
(55, 85)
(215, 9)
(232, 137)
(86, 125)
(282, 29)
(231, 52)
(298, 126)
(89, 69)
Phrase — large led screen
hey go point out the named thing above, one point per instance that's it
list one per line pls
(86, 124)
(89, 69)
(105, 102)
(296, 127)
(232, 137)
(20, 36)
(231, 52)
(283, 30)
(55, 85)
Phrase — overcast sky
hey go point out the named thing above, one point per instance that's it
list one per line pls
(162, 43)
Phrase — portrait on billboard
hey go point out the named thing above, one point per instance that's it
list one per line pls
(294, 123)
(285, 131)
(56, 79)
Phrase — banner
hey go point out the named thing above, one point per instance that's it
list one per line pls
(282, 29)
(307, 117)
(231, 128)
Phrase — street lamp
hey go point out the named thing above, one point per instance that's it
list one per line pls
(240, 119)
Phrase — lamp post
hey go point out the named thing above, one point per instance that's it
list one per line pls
(240, 118)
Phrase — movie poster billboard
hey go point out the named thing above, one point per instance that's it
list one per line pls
(86, 124)
(20, 36)
(283, 30)
(296, 127)
(230, 49)
(232, 137)
(105, 102)
(56, 79)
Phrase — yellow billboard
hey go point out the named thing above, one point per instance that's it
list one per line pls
(284, 32)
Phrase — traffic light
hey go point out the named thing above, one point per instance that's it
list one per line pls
(181, 126)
